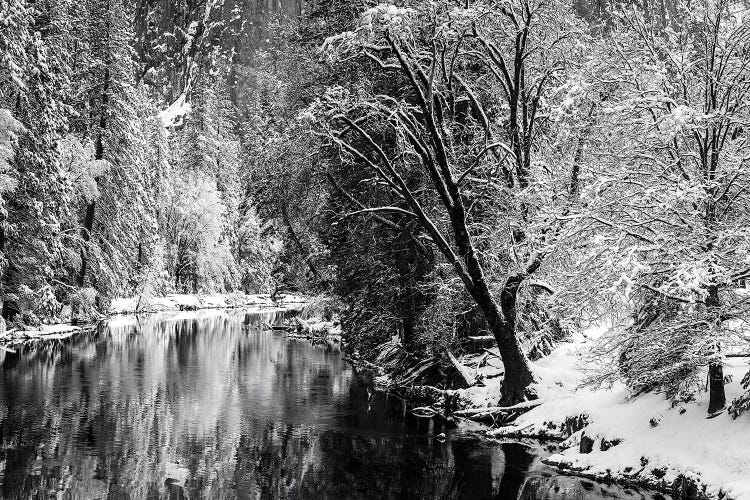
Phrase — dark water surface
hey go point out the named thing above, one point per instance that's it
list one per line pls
(211, 406)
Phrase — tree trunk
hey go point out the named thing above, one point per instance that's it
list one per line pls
(518, 375)
(717, 397)
(88, 226)
(502, 324)
(298, 242)
(88, 221)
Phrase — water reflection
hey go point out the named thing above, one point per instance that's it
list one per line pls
(211, 406)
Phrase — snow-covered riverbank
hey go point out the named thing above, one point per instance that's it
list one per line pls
(610, 435)
(188, 302)
(137, 305)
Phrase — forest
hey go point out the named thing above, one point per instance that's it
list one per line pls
(439, 174)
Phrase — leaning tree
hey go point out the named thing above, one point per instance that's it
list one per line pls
(467, 108)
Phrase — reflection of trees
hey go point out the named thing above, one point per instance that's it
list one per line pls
(211, 407)
(125, 408)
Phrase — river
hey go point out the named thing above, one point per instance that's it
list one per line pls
(209, 405)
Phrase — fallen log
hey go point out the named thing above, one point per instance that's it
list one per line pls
(468, 378)
(497, 410)
(490, 353)
(482, 338)
(424, 412)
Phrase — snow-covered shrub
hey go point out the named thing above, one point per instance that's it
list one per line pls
(541, 329)
(741, 404)
(323, 307)
(666, 348)
(646, 362)
(83, 301)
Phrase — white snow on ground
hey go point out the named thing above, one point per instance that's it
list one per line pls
(715, 451)
(121, 320)
(178, 302)
(171, 303)
(43, 332)
(50, 331)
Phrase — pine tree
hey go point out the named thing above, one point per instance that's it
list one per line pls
(33, 92)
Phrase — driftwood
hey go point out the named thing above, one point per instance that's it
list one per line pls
(493, 354)
(16, 337)
(424, 412)
(526, 405)
(467, 377)
(54, 336)
(498, 413)
(482, 338)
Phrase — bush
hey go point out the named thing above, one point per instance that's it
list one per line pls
(742, 403)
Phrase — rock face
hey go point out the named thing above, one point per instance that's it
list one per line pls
(174, 38)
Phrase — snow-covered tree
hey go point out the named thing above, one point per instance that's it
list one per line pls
(666, 192)
(33, 82)
(466, 109)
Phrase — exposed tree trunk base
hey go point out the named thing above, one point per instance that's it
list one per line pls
(518, 377)
(717, 396)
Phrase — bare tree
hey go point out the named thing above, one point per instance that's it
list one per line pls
(671, 199)
(458, 66)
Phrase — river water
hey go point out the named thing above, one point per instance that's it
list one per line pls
(208, 405)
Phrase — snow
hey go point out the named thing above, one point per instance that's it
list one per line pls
(43, 332)
(181, 305)
(47, 330)
(174, 115)
(670, 441)
(179, 302)
(121, 320)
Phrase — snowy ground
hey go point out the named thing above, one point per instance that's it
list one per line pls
(182, 302)
(177, 302)
(657, 443)
(43, 332)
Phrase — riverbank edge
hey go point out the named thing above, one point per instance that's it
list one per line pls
(682, 486)
(567, 433)
(168, 303)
